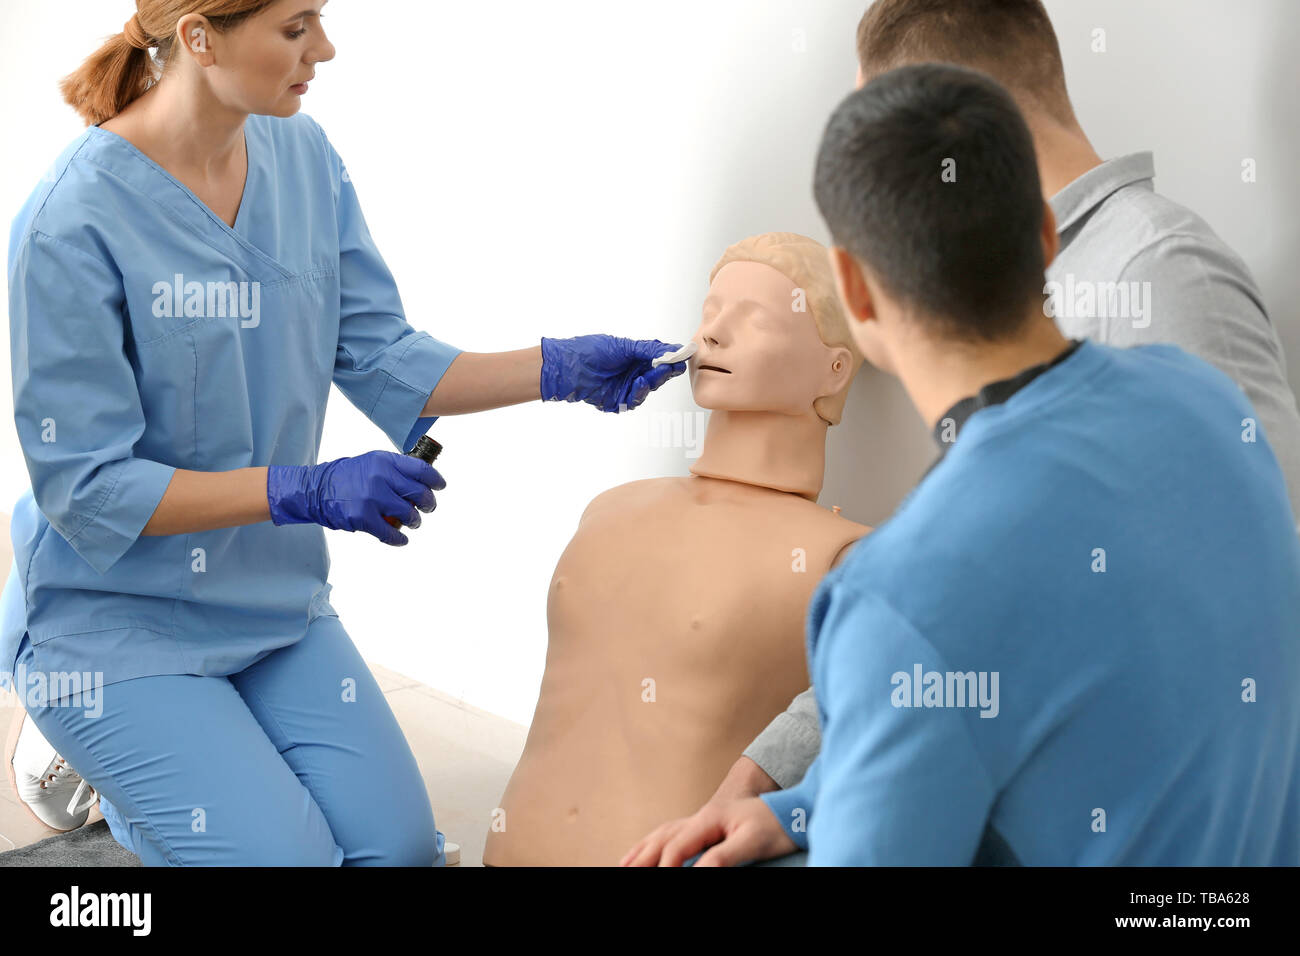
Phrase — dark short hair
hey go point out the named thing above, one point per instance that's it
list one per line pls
(1010, 40)
(967, 253)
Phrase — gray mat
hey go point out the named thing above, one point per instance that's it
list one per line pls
(91, 845)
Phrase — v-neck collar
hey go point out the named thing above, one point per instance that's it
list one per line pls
(128, 162)
(240, 216)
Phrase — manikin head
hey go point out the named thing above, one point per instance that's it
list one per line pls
(247, 56)
(773, 337)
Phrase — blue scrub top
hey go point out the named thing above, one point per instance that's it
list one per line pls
(1076, 643)
(148, 335)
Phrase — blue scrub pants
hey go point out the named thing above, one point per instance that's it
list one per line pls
(296, 760)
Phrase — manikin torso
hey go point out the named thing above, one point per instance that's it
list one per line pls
(676, 614)
(671, 648)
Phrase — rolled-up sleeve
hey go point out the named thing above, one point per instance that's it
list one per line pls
(383, 366)
(789, 744)
(77, 406)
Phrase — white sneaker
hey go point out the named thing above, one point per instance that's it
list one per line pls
(54, 792)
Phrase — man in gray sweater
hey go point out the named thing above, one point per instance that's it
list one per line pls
(1133, 268)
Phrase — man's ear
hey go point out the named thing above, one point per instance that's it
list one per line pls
(1051, 241)
(851, 286)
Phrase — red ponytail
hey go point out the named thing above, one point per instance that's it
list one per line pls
(122, 69)
(112, 76)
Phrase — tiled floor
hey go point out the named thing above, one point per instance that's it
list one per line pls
(465, 754)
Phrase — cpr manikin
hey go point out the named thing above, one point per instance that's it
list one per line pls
(668, 654)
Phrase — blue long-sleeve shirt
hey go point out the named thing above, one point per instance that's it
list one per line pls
(149, 335)
(1102, 576)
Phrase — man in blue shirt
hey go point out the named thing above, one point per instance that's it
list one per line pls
(1077, 641)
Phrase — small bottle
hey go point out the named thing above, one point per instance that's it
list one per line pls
(426, 449)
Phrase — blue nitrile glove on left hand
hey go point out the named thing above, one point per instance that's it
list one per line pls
(603, 370)
(354, 494)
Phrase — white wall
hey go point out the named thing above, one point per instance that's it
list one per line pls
(1204, 84)
(554, 169)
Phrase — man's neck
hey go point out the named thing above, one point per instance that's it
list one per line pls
(1063, 151)
(938, 374)
(767, 449)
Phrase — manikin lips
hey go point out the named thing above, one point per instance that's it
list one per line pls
(714, 367)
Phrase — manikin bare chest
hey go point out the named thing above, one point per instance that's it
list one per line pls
(701, 575)
(676, 633)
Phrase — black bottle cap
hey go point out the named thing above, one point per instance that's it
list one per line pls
(426, 449)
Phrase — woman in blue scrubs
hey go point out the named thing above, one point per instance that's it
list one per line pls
(185, 284)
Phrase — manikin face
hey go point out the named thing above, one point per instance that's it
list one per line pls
(756, 352)
(262, 65)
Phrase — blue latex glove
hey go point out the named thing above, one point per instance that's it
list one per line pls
(354, 494)
(603, 370)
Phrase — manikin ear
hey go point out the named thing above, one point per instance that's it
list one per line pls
(1051, 241)
(194, 35)
(838, 370)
